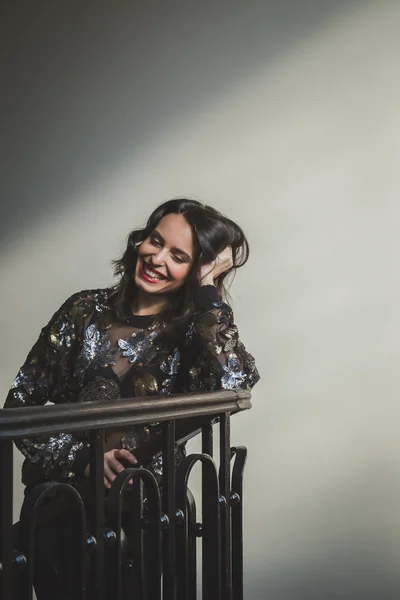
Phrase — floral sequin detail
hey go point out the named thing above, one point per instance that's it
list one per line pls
(206, 326)
(96, 350)
(224, 313)
(249, 365)
(139, 348)
(170, 366)
(56, 452)
(24, 379)
(62, 333)
(233, 377)
(100, 389)
(189, 335)
(229, 338)
(130, 440)
(145, 384)
(156, 465)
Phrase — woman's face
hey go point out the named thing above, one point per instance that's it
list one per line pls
(166, 256)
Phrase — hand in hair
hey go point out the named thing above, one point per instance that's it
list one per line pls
(210, 271)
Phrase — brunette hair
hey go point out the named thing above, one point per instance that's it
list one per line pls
(212, 233)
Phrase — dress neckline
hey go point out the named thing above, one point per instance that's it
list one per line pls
(139, 320)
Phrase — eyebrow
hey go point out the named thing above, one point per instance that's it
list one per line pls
(174, 250)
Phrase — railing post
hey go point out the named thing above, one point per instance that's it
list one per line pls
(225, 490)
(169, 588)
(206, 448)
(96, 512)
(191, 547)
(136, 542)
(6, 519)
(236, 500)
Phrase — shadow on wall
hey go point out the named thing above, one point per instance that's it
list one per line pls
(91, 86)
(308, 583)
(346, 550)
(86, 85)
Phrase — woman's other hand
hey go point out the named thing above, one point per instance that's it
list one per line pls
(210, 271)
(113, 466)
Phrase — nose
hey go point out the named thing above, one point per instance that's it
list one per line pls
(159, 257)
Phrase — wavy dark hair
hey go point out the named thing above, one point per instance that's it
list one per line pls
(212, 233)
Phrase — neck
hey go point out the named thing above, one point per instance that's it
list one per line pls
(148, 304)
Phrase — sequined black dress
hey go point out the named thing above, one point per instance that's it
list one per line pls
(86, 353)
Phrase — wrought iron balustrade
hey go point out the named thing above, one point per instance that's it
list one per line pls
(156, 554)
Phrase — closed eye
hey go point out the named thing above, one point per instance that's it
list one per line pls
(155, 241)
(178, 255)
(179, 259)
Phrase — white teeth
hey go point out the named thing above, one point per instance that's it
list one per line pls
(150, 273)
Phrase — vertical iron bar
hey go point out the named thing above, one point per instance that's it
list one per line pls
(207, 439)
(153, 563)
(6, 518)
(68, 541)
(182, 533)
(79, 551)
(168, 500)
(114, 558)
(124, 511)
(206, 448)
(191, 548)
(97, 511)
(135, 541)
(237, 521)
(211, 546)
(225, 490)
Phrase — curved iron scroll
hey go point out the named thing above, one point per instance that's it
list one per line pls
(122, 493)
(27, 528)
(210, 529)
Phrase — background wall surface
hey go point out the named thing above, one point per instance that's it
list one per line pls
(285, 116)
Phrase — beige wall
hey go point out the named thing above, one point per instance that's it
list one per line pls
(286, 118)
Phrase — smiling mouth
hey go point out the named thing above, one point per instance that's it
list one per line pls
(150, 274)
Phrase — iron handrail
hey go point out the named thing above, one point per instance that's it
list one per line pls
(40, 420)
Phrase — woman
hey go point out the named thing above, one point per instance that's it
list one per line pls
(162, 329)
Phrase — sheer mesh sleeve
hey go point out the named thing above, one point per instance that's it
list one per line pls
(46, 376)
(215, 357)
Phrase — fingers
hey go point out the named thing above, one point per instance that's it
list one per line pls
(126, 455)
(226, 255)
(115, 465)
(112, 465)
(210, 271)
(206, 276)
(109, 475)
(224, 261)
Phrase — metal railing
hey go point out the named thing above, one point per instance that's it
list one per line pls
(155, 556)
